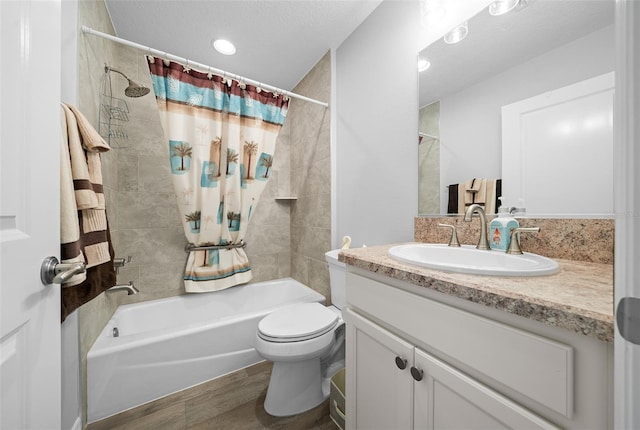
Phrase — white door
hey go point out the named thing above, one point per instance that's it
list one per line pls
(569, 133)
(378, 379)
(627, 210)
(29, 213)
(448, 399)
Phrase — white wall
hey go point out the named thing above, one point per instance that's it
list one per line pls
(470, 121)
(376, 106)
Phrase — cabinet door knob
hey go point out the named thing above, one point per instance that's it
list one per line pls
(417, 373)
(401, 363)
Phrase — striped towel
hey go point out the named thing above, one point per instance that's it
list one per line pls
(477, 191)
(83, 220)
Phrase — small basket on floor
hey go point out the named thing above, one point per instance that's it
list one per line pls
(336, 398)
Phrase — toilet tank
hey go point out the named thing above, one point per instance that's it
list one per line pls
(338, 279)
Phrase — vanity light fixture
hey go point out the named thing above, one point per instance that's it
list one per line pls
(224, 46)
(500, 7)
(457, 34)
(423, 64)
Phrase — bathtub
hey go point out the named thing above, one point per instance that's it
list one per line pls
(166, 345)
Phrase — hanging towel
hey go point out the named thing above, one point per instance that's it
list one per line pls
(477, 191)
(69, 228)
(467, 192)
(84, 150)
(452, 203)
(84, 232)
(493, 192)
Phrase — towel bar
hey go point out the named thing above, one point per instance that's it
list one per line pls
(191, 247)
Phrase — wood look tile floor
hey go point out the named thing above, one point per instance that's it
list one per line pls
(231, 402)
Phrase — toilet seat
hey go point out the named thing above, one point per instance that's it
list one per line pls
(297, 323)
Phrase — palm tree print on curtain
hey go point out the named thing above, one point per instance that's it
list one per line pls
(264, 165)
(232, 160)
(180, 157)
(222, 137)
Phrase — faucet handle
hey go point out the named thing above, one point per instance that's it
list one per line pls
(514, 243)
(454, 235)
(121, 262)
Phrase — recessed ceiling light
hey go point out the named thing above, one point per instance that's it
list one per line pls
(457, 34)
(500, 7)
(224, 47)
(423, 64)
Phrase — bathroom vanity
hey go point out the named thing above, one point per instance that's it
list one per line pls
(433, 349)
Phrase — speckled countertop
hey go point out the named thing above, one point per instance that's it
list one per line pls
(578, 298)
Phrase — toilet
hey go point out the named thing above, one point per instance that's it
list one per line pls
(305, 342)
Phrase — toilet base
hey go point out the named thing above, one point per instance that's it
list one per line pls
(294, 387)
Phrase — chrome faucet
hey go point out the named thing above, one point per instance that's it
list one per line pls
(129, 288)
(483, 242)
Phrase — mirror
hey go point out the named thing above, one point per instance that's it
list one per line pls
(538, 48)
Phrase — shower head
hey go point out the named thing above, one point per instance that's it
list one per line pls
(134, 89)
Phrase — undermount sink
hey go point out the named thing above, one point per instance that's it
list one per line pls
(468, 259)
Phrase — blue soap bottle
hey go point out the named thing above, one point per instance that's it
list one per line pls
(500, 229)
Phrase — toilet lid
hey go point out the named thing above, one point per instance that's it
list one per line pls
(297, 322)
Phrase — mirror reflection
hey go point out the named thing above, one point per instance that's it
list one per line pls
(505, 63)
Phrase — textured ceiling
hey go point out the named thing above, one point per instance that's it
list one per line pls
(277, 41)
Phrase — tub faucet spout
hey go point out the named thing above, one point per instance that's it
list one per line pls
(129, 288)
(483, 242)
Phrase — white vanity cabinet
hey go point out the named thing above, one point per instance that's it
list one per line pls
(418, 363)
(399, 386)
(381, 362)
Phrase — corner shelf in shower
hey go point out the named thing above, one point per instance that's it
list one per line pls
(286, 198)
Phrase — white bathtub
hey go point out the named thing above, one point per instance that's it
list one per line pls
(171, 344)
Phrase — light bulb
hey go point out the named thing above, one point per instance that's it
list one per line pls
(423, 64)
(224, 47)
(500, 7)
(457, 34)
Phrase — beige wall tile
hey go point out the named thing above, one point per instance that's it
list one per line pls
(127, 165)
(154, 174)
(311, 180)
(144, 210)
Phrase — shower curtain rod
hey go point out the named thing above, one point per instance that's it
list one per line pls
(195, 65)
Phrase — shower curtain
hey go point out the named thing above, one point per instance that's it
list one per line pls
(221, 135)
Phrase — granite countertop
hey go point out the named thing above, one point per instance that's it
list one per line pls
(578, 298)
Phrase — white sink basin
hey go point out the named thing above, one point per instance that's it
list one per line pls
(468, 259)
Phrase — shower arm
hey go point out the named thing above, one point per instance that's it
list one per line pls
(108, 69)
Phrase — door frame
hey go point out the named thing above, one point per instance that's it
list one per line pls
(627, 206)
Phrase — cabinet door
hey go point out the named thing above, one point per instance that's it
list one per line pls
(379, 390)
(448, 399)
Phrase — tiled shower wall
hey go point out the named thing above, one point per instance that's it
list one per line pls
(285, 238)
(93, 53)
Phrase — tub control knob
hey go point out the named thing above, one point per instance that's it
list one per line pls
(417, 373)
(401, 363)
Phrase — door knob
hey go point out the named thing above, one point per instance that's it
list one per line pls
(401, 363)
(628, 319)
(417, 373)
(54, 272)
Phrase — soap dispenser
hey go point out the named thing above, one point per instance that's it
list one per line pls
(500, 229)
